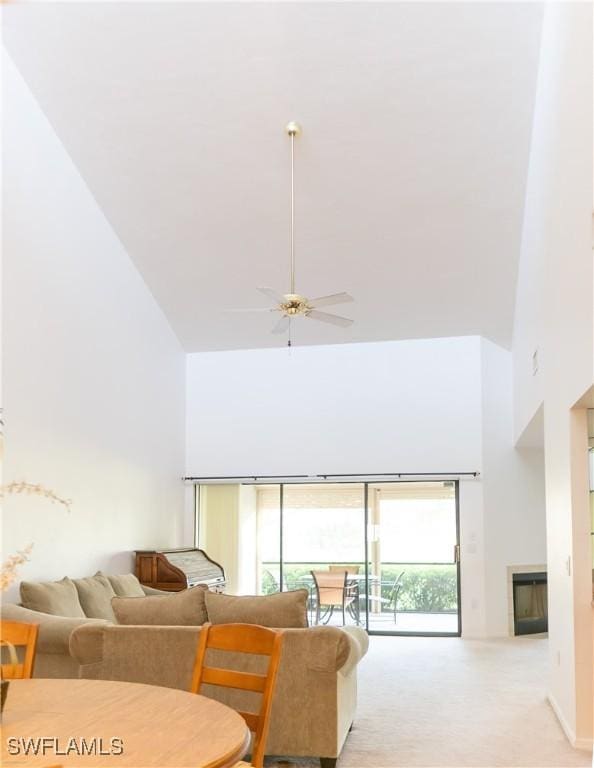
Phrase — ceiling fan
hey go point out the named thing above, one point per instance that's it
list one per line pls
(292, 304)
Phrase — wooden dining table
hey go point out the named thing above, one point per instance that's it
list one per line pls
(130, 725)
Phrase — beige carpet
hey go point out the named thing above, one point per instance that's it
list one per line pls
(455, 703)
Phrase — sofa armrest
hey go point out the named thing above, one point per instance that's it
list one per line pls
(358, 647)
(327, 649)
(54, 631)
(316, 690)
(86, 645)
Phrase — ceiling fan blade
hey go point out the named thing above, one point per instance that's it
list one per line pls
(252, 309)
(326, 301)
(272, 294)
(326, 318)
(282, 325)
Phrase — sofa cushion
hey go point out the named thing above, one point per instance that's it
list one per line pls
(283, 609)
(124, 584)
(95, 593)
(58, 598)
(176, 609)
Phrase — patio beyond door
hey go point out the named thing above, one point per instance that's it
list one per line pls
(412, 552)
(394, 546)
(305, 528)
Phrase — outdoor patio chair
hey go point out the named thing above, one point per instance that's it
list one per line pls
(272, 579)
(288, 586)
(392, 600)
(333, 590)
(350, 569)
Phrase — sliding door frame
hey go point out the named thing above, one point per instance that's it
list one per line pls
(281, 554)
(365, 489)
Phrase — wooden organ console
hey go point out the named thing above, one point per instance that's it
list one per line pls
(175, 569)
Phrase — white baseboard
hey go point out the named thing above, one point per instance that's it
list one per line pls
(576, 743)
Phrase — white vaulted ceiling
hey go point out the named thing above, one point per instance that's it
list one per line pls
(411, 168)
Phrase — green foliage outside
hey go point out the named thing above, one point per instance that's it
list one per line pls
(425, 588)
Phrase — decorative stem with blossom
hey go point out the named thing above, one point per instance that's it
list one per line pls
(8, 570)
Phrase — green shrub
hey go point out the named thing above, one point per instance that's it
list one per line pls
(425, 589)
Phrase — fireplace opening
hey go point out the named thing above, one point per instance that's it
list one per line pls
(530, 603)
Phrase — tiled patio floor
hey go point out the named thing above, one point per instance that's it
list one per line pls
(405, 622)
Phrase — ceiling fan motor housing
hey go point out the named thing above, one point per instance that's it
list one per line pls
(295, 304)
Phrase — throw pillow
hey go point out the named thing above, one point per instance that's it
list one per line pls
(58, 598)
(281, 610)
(184, 608)
(125, 585)
(95, 593)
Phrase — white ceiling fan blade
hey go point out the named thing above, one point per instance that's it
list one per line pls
(272, 294)
(326, 301)
(326, 318)
(252, 309)
(282, 325)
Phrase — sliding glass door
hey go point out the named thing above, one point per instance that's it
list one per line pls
(381, 555)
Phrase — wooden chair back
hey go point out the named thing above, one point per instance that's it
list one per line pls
(242, 638)
(18, 634)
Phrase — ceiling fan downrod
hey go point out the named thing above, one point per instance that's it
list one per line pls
(291, 305)
(293, 129)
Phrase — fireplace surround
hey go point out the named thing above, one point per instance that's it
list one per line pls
(527, 599)
(530, 603)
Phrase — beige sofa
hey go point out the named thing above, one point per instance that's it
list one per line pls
(315, 698)
(53, 657)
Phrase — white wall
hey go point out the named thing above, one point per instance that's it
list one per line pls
(555, 313)
(513, 490)
(383, 407)
(439, 405)
(93, 377)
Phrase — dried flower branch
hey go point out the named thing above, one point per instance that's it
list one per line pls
(8, 571)
(35, 490)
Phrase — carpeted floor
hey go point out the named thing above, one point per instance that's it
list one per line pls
(454, 703)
